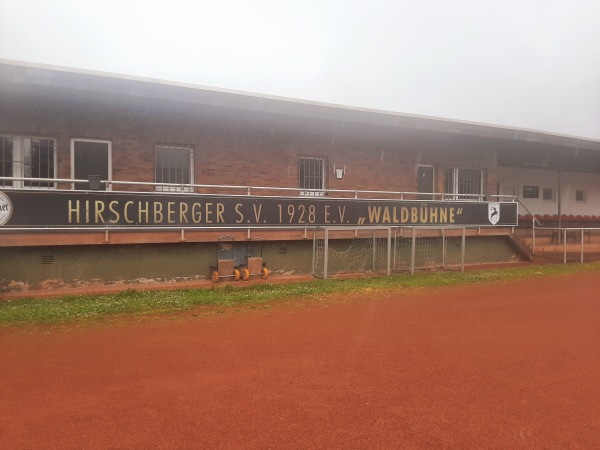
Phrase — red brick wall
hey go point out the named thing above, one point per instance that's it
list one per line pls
(245, 152)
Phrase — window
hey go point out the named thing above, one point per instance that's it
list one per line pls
(531, 192)
(312, 176)
(6, 160)
(465, 183)
(580, 195)
(27, 157)
(174, 164)
(548, 194)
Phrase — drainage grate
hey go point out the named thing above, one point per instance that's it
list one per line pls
(48, 259)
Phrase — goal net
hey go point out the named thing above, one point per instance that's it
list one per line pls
(345, 250)
(419, 249)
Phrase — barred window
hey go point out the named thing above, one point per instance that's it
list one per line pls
(27, 157)
(38, 161)
(466, 184)
(174, 165)
(6, 160)
(312, 175)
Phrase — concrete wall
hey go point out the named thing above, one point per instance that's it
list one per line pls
(162, 262)
(515, 178)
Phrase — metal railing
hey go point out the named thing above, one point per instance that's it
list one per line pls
(247, 190)
(567, 239)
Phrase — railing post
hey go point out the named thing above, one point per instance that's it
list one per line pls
(533, 236)
(315, 255)
(413, 251)
(395, 246)
(582, 246)
(462, 251)
(564, 245)
(389, 252)
(326, 254)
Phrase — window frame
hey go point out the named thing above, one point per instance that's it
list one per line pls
(528, 189)
(310, 191)
(584, 195)
(552, 196)
(176, 187)
(454, 194)
(18, 162)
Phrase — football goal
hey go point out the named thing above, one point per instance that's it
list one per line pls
(383, 250)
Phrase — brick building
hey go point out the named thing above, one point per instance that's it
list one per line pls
(126, 135)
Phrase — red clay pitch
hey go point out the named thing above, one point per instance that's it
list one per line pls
(506, 365)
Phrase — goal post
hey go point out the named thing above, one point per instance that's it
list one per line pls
(383, 250)
(346, 250)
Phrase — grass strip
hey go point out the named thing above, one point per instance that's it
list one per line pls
(75, 308)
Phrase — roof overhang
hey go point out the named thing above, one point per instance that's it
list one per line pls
(28, 80)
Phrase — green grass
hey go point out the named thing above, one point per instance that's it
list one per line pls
(77, 308)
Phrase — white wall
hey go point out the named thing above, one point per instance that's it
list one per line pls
(510, 177)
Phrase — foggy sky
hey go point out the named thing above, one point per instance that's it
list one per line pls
(520, 63)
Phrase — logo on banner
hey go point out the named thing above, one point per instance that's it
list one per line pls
(494, 213)
(5, 208)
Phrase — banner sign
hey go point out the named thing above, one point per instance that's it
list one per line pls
(70, 209)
